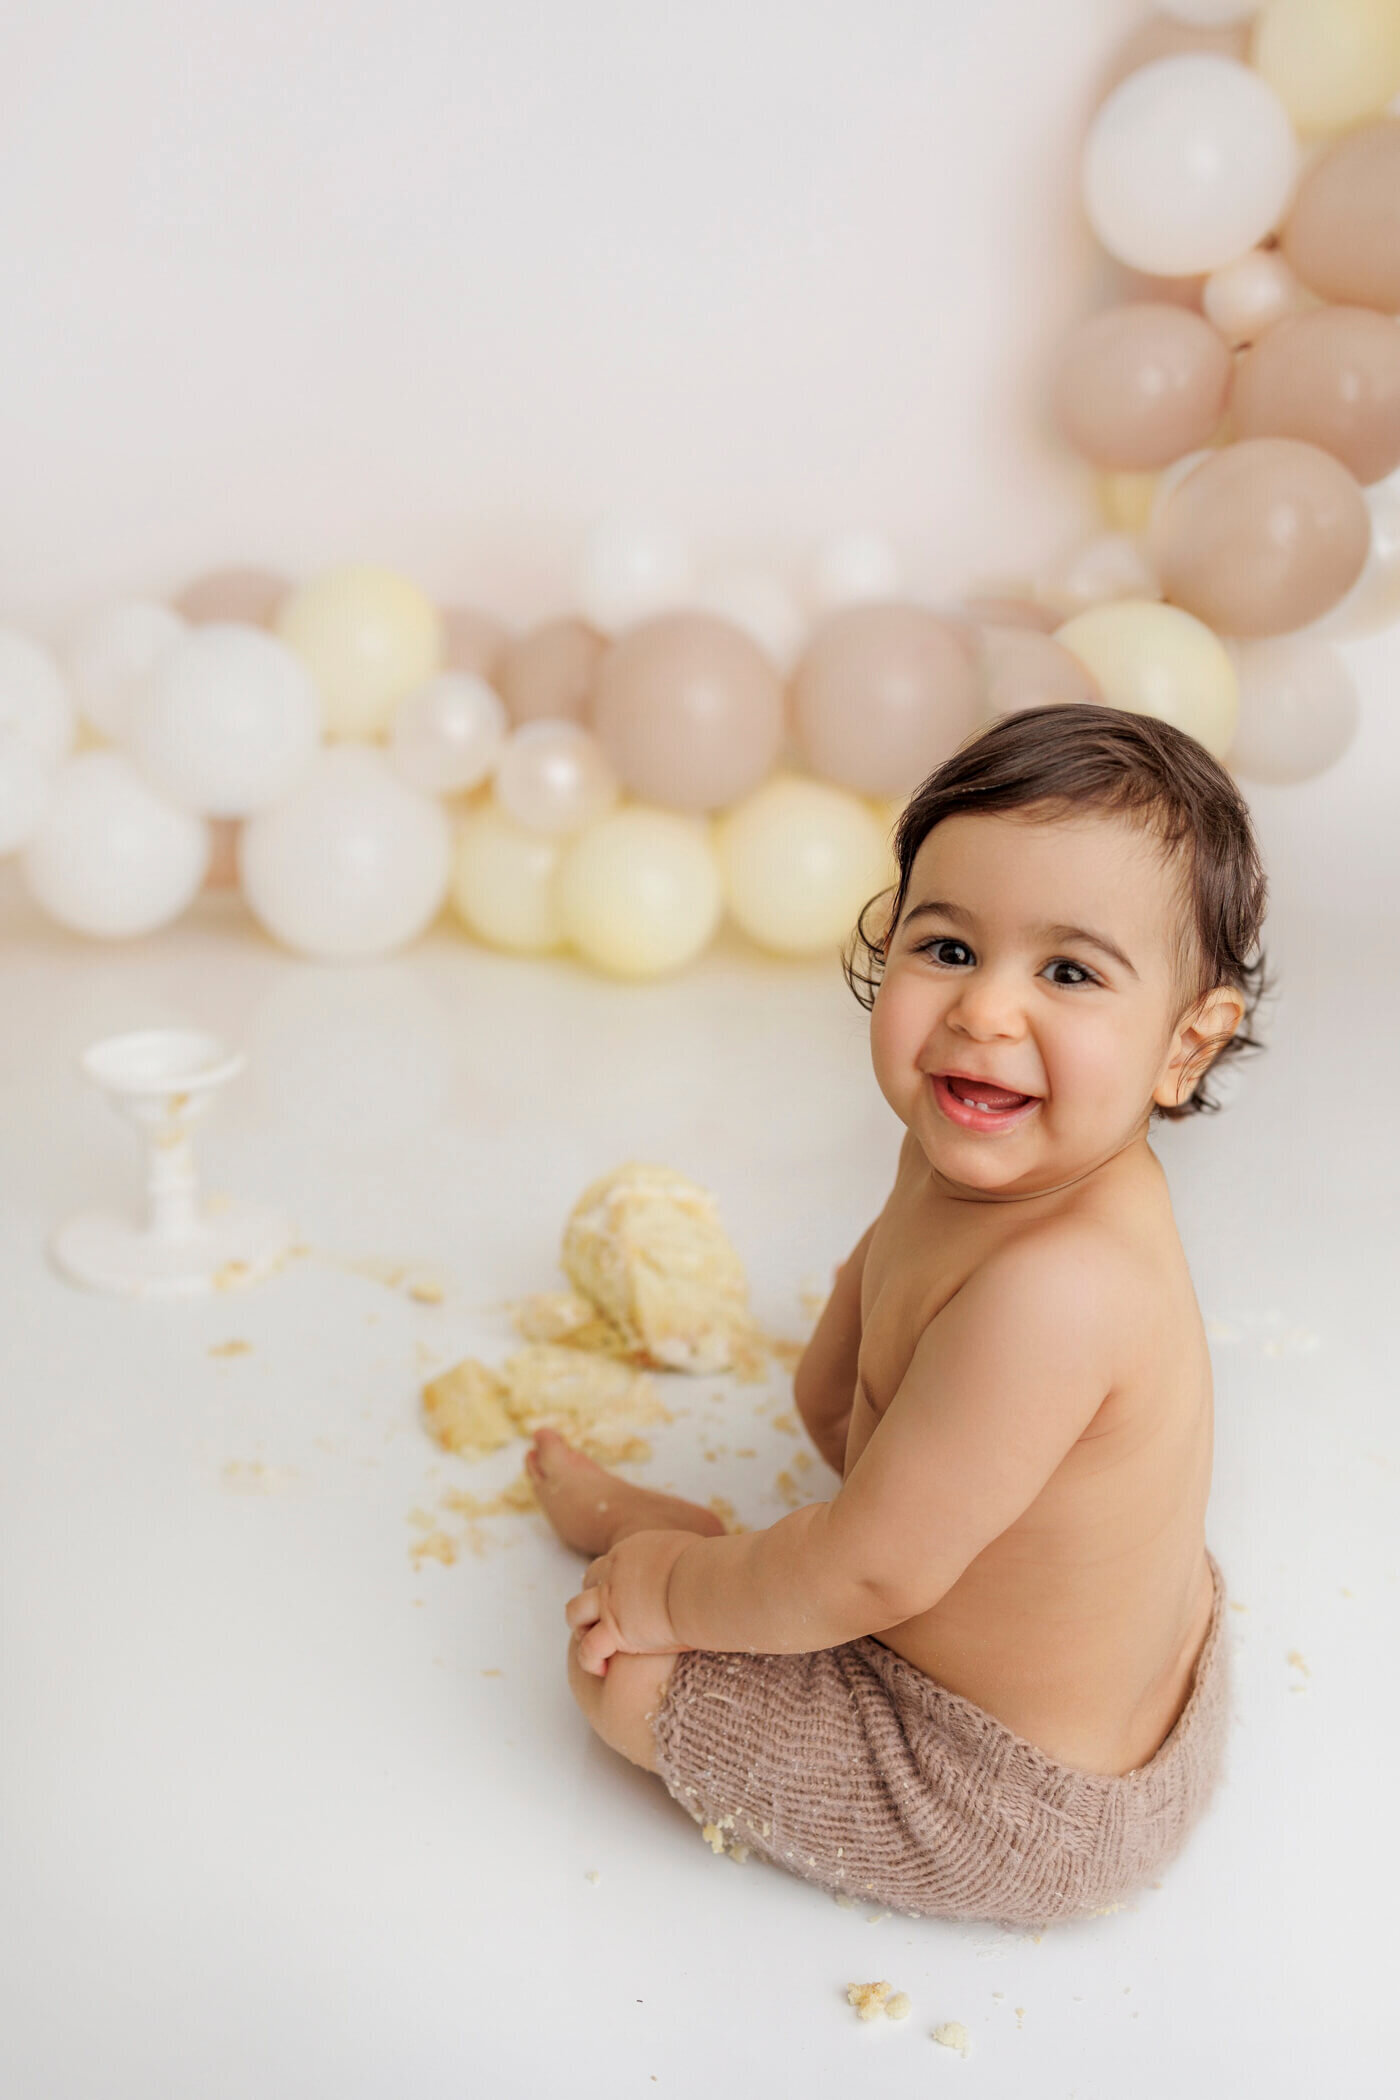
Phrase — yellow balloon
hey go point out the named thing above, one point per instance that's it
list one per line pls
(1152, 659)
(799, 859)
(1125, 500)
(503, 882)
(639, 892)
(367, 636)
(1332, 63)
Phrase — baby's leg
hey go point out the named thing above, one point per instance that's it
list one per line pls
(591, 1509)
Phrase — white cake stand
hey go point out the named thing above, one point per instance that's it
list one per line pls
(164, 1080)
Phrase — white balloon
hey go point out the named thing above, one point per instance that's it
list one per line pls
(448, 734)
(1373, 602)
(24, 790)
(1298, 709)
(761, 606)
(228, 721)
(111, 856)
(1188, 164)
(553, 777)
(630, 568)
(34, 699)
(112, 656)
(352, 862)
(1210, 14)
(1111, 566)
(853, 567)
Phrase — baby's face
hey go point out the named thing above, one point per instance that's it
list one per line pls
(982, 978)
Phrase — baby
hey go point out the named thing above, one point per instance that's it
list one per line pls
(988, 1677)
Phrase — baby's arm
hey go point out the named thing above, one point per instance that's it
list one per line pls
(1001, 1385)
(825, 1382)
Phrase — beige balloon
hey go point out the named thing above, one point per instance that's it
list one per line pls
(883, 694)
(549, 673)
(689, 710)
(1332, 378)
(1136, 386)
(472, 640)
(1262, 537)
(250, 596)
(1342, 235)
(1024, 669)
(993, 611)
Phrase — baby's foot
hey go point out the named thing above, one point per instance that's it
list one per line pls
(591, 1509)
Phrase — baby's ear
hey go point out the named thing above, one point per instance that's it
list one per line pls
(1203, 1033)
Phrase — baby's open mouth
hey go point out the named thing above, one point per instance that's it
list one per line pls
(980, 1093)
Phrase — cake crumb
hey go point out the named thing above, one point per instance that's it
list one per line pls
(951, 2034)
(899, 2006)
(868, 1999)
(427, 1291)
(492, 1673)
(1296, 1662)
(593, 1875)
(1020, 2012)
(231, 1349)
(434, 1545)
(1235, 1605)
(787, 1423)
(251, 1477)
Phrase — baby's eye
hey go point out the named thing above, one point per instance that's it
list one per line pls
(1062, 962)
(944, 941)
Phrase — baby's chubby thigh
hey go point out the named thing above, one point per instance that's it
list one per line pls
(619, 1706)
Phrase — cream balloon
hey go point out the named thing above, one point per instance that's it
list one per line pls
(759, 604)
(112, 655)
(1330, 65)
(1343, 234)
(1298, 710)
(629, 569)
(24, 790)
(1157, 660)
(368, 636)
(799, 860)
(1189, 162)
(228, 720)
(503, 883)
(639, 893)
(854, 567)
(111, 857)
(553, 777)
(34, 699)
(353, 862)
(448, 734)
(1245, 298)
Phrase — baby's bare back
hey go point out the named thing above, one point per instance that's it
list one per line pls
(1079, 1626)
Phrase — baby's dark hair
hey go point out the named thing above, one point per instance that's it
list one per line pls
(1062, 761)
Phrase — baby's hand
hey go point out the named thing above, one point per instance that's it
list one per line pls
(621, 1609)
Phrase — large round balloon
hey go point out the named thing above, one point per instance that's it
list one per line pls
(1298, 710)
(639, 893)
(1332, 378)
(1343, 234)
(629, 569)
(689, 711)
(1157, 660)
(229, 720)
(549, 673)
(1138, 385)
(110, 855)
(553, 777)
(34, 698)
(24, 790)
(352, 862)
(448, 734)
(112, 655)
(1331, 63)
(799, 860)
(1023, 668)
(503, 884)
(1262, 537)
(1373, 602)
(884, 694)
(1189, 162)
(367, 636)
(855, 567)
(248, 596)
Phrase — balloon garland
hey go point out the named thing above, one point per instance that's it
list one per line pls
(614, 781)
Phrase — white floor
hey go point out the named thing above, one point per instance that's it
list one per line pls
(285, 1815)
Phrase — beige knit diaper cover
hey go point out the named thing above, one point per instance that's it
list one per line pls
(855, 1770)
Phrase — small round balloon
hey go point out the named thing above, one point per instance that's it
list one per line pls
(552, 777)
(1343, 234)
(1157, 660)
(1262, 537)
(367, 636)
(1022, 668)
(472, 641)
(249, 597)
(854, 568)
(1298, 710)
(1112, 565)
(353, 862)
(111, 657)
(34, 697)
(110, 856)
(799, 860)
(1247, 297)
(629, 569)
(448, 734)
(639, 893)
(24, 790)
(689, 711)
(1189, 162)
(228, 721)
(883, 694)
(503, 883)
(1136, 386)
(1332, 378)
(761, 605)
(549, 673)
(1330, 66)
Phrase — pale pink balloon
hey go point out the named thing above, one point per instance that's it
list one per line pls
(1023, 669)
(548, 674)
(991, 611)
(222, 872)
(1161, 37)
(689, 709)
(1262, 537)
(1136, 386)
(250, 596)
(472, 640)
(1342, 235)
(1332, 378)
(883, 694)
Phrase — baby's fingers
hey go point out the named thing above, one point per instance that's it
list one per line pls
(584, 1610)
(595, 1647)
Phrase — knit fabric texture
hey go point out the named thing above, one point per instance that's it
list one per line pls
(855, 1770)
